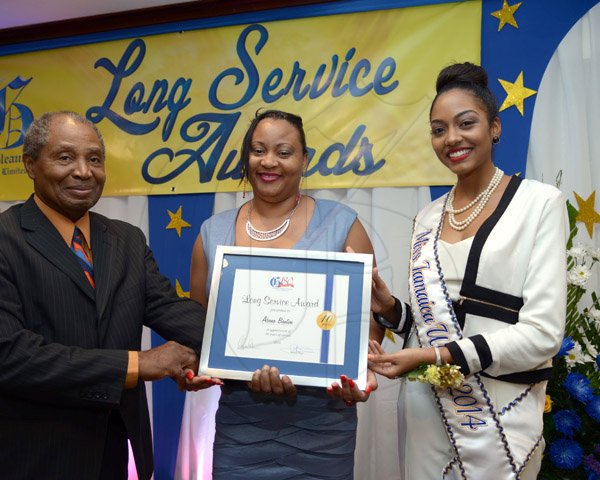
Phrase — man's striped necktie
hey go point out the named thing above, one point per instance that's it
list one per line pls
(84, 260)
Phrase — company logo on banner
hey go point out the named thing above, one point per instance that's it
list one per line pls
(173, 108)
(15, 118)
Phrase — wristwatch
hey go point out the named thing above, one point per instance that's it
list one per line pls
(381, 320)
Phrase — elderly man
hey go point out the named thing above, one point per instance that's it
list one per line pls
(75, 290)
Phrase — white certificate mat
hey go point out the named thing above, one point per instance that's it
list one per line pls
(305, 312)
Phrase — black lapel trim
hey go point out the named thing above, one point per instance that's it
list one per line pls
(103, 254)
(43, 237)
(469, 288)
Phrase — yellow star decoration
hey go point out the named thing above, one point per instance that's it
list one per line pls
(516, 93)
(506, 15)
(587, 214)
(179, 290)
(176, 221)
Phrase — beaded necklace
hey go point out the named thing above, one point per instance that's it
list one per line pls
(479, 202)
(266, 235)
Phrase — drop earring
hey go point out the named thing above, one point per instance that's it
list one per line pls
(245, 187)
(301, 186)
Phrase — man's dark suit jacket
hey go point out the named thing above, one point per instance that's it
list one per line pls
(63, 346)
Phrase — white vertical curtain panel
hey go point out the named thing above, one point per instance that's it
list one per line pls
(564, 142)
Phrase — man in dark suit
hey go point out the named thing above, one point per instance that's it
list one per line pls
(72, 305)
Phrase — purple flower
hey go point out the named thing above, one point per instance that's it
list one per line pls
(593, 408)
(578, 386)
(567, 422)
(592, 466)
(566, 453)
(565, 347)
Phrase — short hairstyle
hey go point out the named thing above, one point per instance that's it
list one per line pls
(36, 136)
(294, 120)
(472, 78)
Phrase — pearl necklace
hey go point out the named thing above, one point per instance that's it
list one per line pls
(266, 235)
(480, 201)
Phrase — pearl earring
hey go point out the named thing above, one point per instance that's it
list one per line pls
(495, 139)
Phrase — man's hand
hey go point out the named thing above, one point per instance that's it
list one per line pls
(169, 360)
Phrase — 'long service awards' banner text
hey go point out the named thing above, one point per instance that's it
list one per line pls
(173, 108)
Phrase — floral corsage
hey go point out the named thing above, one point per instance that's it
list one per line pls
(443, 376)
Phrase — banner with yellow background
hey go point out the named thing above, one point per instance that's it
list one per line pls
(173, 108)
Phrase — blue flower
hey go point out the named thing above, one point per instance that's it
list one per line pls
(578, 386)
(566, 346)
(593, 408)
(591, 475)
(567, 422)
(566, 454)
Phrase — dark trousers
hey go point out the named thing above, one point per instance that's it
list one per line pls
(116, 451)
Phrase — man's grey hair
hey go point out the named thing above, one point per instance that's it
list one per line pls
(36, 136)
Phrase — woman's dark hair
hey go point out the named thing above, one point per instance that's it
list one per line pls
(470, 77)
(292, 119)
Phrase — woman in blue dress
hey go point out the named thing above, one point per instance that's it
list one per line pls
(269, 428)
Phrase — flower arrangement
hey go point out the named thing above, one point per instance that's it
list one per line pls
(444, 376)
(572, 413)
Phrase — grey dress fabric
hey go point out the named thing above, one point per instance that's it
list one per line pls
(266, 437)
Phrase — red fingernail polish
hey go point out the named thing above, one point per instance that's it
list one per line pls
(343, 378)
(189, 375)
(368, 389)
(351, 383)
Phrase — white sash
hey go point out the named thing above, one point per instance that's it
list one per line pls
(479, 438)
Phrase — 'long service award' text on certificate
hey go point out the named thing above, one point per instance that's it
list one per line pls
(305, 312)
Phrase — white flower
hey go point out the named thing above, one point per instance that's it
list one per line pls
(578, 275)
(576, 355)
(578, 252)
(594, 313)
(594, 253)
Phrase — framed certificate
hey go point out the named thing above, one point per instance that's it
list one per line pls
(305, 312)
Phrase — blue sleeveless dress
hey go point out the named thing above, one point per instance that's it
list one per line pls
(308, 437)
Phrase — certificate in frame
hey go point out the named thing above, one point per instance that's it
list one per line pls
(306, 312)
